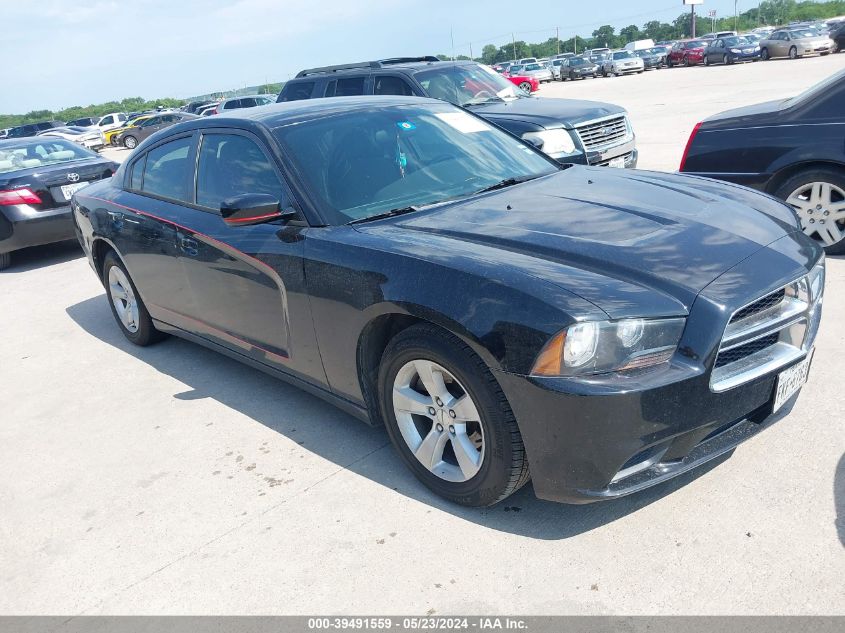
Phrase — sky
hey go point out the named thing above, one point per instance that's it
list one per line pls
(61, 53)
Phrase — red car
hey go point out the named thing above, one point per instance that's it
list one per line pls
(528, 84)
(688, 53)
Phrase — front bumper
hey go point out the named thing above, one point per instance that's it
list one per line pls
(601, 439)
(21, 226)
(745, 57)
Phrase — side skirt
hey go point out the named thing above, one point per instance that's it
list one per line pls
(344, 405)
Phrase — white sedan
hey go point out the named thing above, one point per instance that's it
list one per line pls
(90, 137)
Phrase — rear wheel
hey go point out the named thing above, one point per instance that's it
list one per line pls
(793, 53)
(130, 142)
(5, 260)
(448, 418)
(818, 196)
(126, 305)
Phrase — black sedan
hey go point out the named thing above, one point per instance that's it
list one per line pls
(578, 68)
(38, 176)
(423, 269)
(793, 149)
(731, 50)
(653, 58)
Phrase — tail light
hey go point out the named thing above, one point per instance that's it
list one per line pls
(18, 196)
(689, 145)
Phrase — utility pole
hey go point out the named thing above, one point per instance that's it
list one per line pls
(513, 41)
(693, 20)
(452, 35)
(557, 37)
(736, 16)
(575, 42)
(470, 52)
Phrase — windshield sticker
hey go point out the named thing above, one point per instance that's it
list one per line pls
(406, 125)
(463, 122)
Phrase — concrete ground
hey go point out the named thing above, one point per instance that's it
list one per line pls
(171, 480)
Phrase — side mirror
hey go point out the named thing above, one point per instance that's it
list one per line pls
(252, 208)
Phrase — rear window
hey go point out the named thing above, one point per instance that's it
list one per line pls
(23, 155)
(296, 91)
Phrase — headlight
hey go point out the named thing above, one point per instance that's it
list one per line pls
(598, 347)
(735, 50)
(551, 141)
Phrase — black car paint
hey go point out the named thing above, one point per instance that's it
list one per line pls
(27, 225)
(315, 304)
(762, 145)
(519, 116)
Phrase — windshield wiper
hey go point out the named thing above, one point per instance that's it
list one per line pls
(387, 214)
(473, 102)
(507, 182)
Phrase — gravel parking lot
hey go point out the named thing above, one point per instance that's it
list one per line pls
(172, 480)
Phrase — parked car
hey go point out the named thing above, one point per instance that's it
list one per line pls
(111, 121)
(687, 53)
(208, 110)
(653, 58)
(791, 149)
(718, 34)
(110, 137)
(244, 101)
(523, 82)
(568, 130)
(730, 50)
(141, 129)
(527, 60)
(423, 270)
(90, 137)
(31, 129)
(579, 68)
(536, 70)
(555, 67)
(622, 63)
(795, 43)
(753, 38)
(195, 106)
(837, 36)
(38, 175)
(4, 132)
(86, 121)
(563, 56)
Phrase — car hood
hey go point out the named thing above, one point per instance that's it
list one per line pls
(648, 233)
(549, 113)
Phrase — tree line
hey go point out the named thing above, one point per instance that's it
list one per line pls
(769, 12)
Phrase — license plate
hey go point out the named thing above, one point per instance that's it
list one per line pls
(68, 190)
(790, 381)
(617, 162)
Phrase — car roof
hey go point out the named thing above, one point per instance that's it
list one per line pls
(411, 64)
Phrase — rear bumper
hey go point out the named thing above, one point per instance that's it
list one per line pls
(22, 226)
(605, 438)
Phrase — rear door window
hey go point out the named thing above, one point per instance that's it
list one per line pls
(167, 170)
(233, 165)
(391, 85)
(350, 87)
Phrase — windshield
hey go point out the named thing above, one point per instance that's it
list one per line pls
(695, 44)
(622, 55)
(363, 163)
(46, 151)
(736, 41)
(467, 84)
(533, 67)
(578, 61)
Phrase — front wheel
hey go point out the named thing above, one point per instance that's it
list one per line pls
(5, 260)
(725, 60)
(126, 305)
(764, 54)
(130, 142)
(448, 418)
(686, 62)
(793, 53)
(818, 196)
(525, 86)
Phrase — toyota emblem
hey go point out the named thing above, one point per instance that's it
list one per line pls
(73, 177)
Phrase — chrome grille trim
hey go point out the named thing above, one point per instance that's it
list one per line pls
(778, 322)
(604, 132)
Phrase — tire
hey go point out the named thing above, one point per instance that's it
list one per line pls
(5, 260)
(115, 279)
(686, 62)
(670, 63)
(706, 60)
(725, 60)
(498, 465)
(793, 53)
(130, 142)
(814, 220)
(525, 86)
(764, 54)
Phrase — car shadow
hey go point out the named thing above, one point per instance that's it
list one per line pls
(839, 498)
(36, 257)
(281, 407)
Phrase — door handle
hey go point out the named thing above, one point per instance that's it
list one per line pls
(189, 246)
(116, 219)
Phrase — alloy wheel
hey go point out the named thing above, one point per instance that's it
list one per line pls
(130, 142)
(438, 420)
(123, 298)
(821, 207)
(793, 53)
(525, 86)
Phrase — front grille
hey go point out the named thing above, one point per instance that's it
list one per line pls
(602, 133)
(766, 335)
(743, 351)
(769, 301)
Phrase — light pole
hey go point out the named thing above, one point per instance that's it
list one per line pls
(736, 16)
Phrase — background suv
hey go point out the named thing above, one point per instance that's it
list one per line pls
(568, 130)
